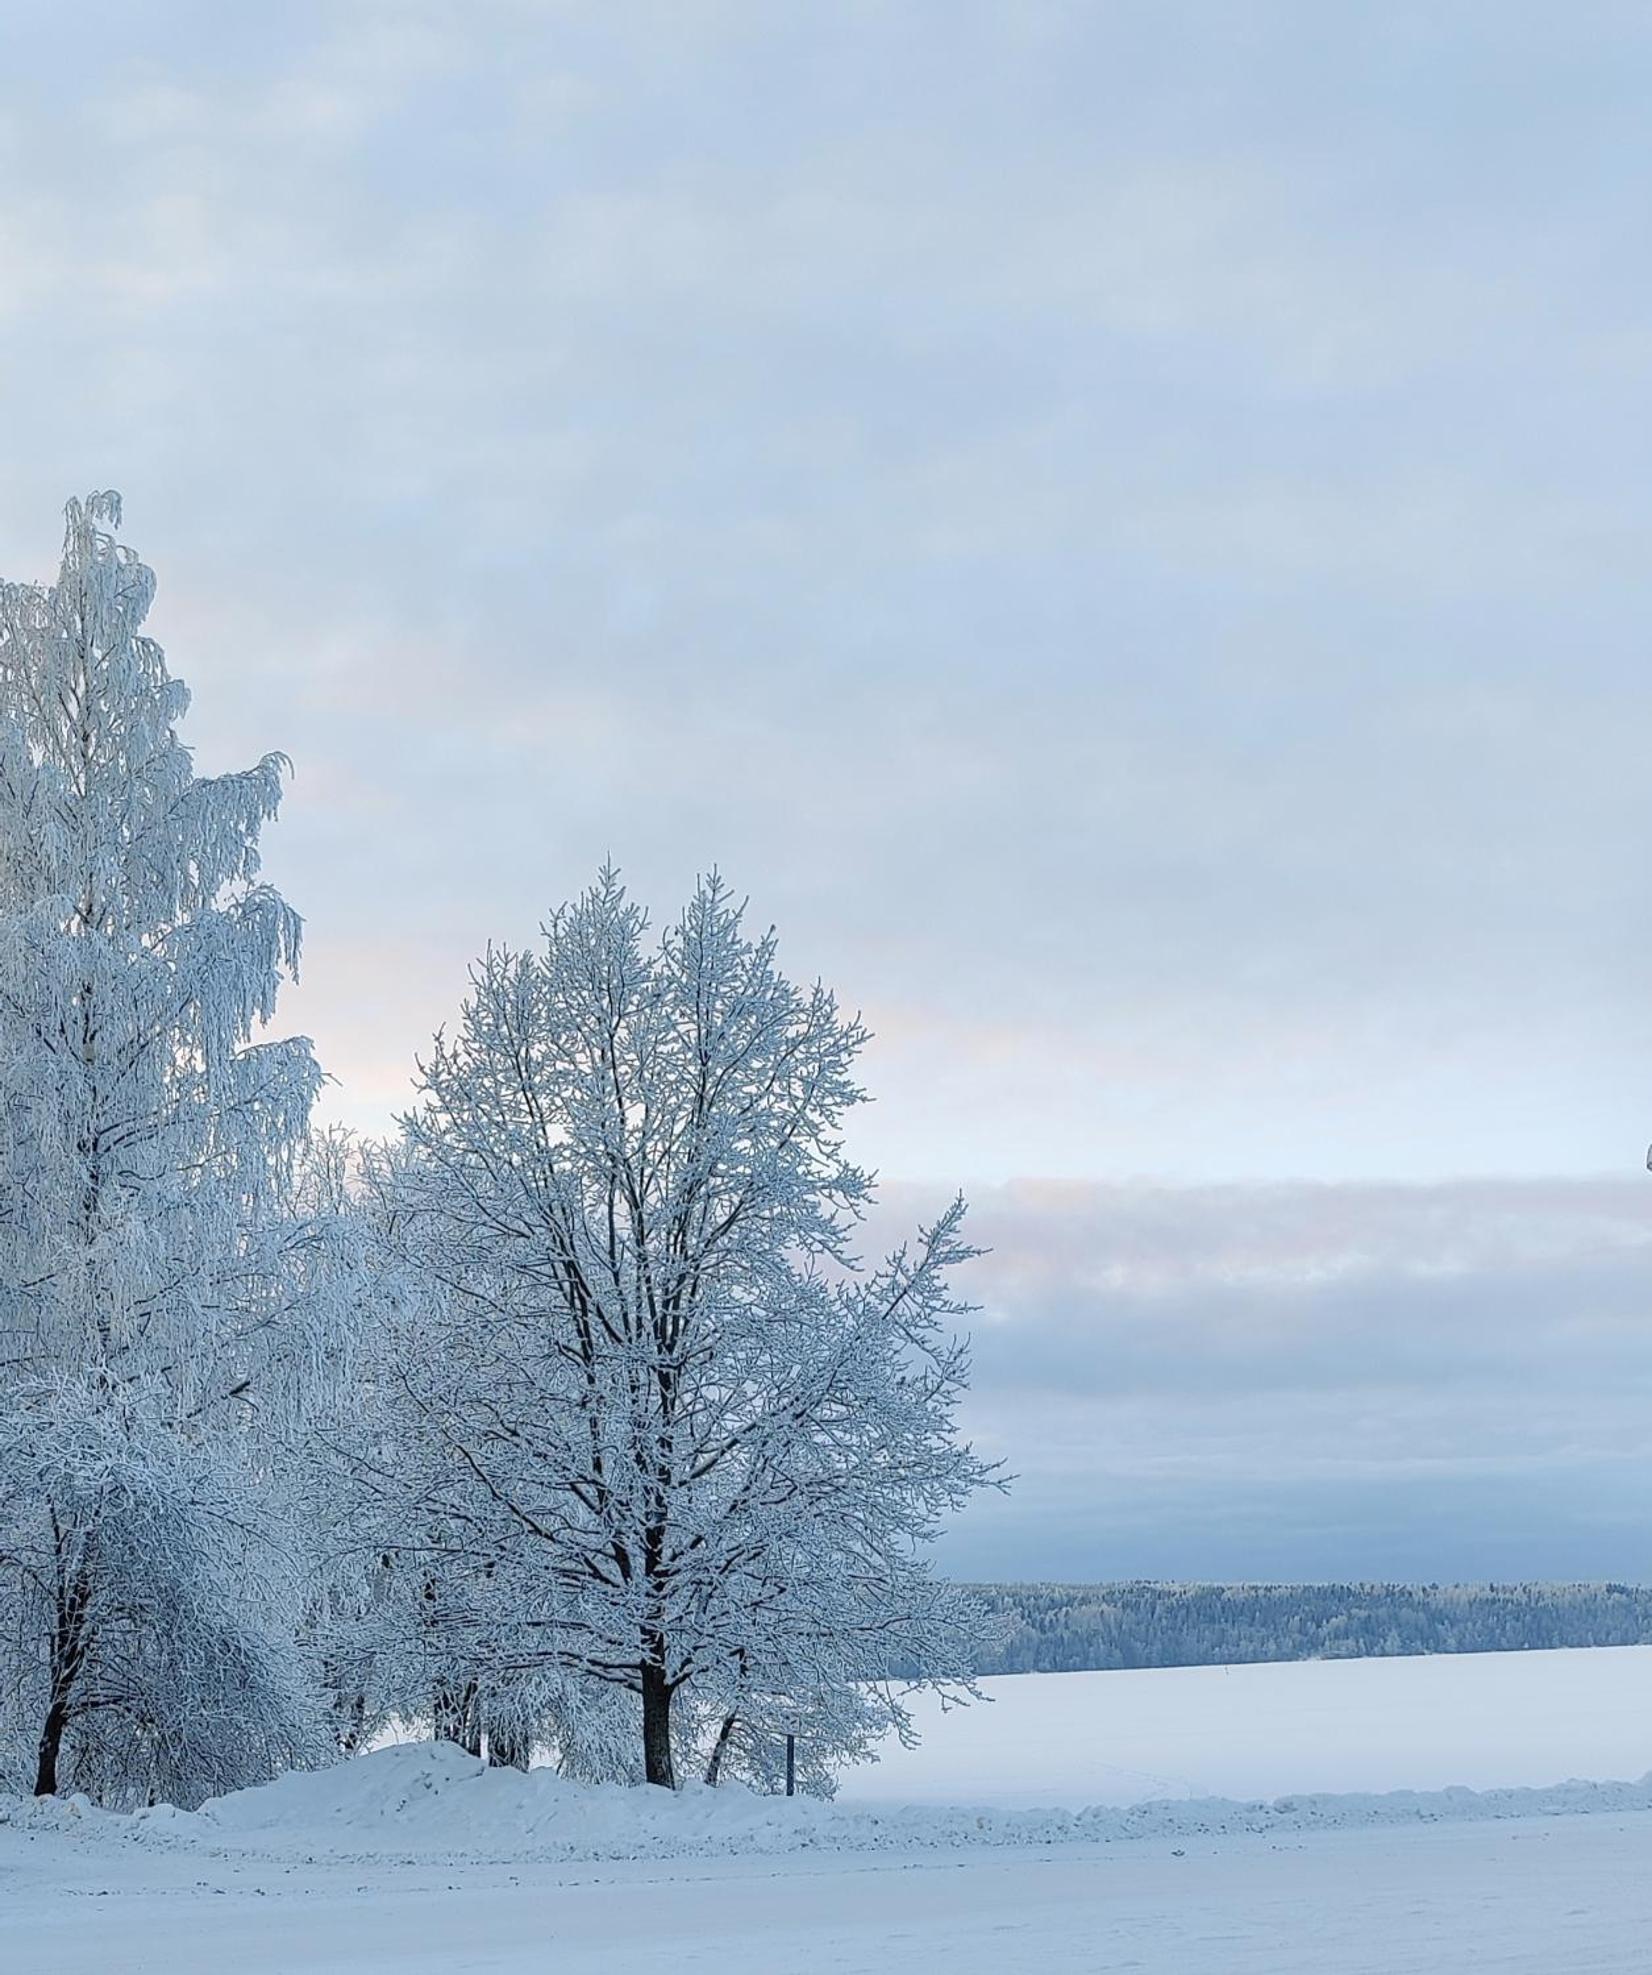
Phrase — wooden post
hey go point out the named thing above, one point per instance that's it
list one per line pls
(791, 1765)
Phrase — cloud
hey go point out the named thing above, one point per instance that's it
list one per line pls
(1122, 527)
(1437, 1380)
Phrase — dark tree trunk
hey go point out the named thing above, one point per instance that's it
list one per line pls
(51, 1747)
(508, 1748)
(68, 1658)
(714, 1768)
(456, 1716)
(656, 1726)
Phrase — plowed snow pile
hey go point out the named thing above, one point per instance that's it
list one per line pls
(424, 1800)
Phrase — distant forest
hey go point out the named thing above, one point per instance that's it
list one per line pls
(1073, 1628)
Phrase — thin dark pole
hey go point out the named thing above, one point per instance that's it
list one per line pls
(791, 1765)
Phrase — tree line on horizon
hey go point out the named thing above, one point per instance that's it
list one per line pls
(1079, 1628)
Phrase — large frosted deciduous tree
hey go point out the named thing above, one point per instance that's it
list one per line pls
(645, 1385)
(148, 1362)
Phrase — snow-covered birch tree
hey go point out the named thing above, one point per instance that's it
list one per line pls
(641, 1375)
(151, 1338)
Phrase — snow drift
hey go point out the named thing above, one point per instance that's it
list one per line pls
(422, 1800)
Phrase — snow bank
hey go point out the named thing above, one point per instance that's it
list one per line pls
(422, 1800)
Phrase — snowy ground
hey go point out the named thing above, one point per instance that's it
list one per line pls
(1488, 1720)
(412, 1860)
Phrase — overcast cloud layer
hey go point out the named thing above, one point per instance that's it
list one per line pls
(1124, 527)
(1428, 1382)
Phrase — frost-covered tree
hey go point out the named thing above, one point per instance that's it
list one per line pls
(155, 1340)
(639, 1372)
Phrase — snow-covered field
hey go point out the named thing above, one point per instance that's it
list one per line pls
(1487, 1720)
(948, 1858)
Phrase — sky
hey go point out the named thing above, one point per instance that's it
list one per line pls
(1121, 527)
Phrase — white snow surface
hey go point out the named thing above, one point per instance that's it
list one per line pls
(1484, 1720)
(418, 1858)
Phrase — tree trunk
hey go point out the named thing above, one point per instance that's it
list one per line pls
(51, 1746)
(508, 1747)
(351, 1731)
(656, 1727)
(68, 1657)
(715, 1766)
(456, 1717)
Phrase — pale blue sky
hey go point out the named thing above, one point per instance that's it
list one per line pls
(1122, 526)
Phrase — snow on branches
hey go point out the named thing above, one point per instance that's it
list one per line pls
(643, 1384)
(569, 1420)
(150, 1360)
